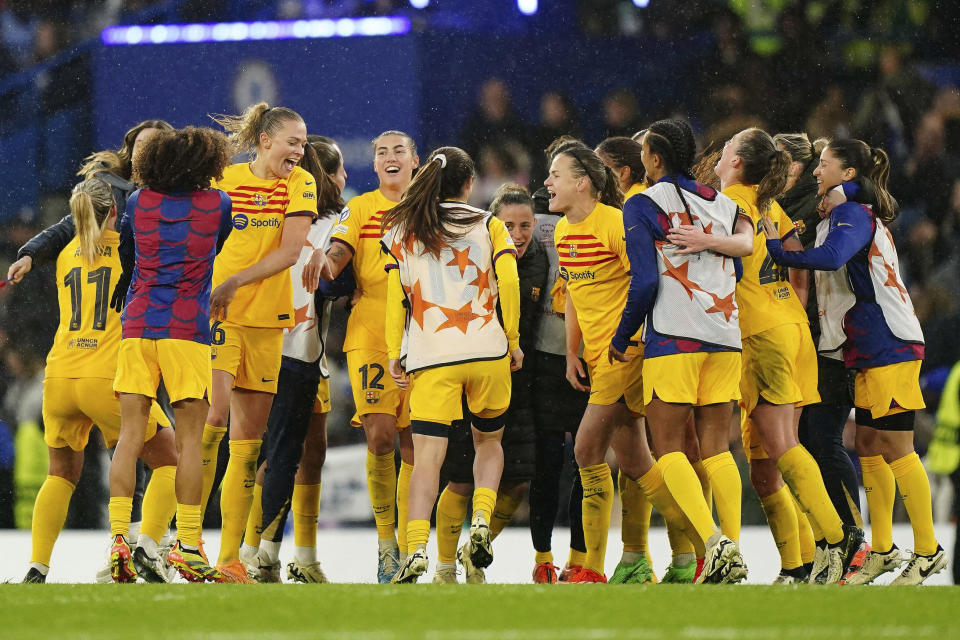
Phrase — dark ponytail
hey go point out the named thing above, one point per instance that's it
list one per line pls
(319, 155)
(604, 184)
(419, 214)
(871, 163)
(673, 141)
(764, 164)
(624, 152)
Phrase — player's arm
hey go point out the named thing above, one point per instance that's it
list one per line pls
(850, 231)
(508, 284)
(43, 247)
(342, 244)
(693, 239)
(294, 234)
(127, 251)
(799, 278)
(226, 220)
(573, 337)
(395, 320)
(644, 276)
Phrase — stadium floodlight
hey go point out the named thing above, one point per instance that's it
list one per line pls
(643, 4)
(527, 7)
(419, 4)
(259, 30)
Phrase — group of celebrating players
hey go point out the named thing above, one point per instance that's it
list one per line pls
(631, 302)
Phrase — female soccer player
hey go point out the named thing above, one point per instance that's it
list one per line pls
(821, 424)
(449, 264)
(778, 362)
(514, 207)
(274, 204)
(77, 385)
(169, 237)
(623, 157)
(691, 335)
(381, 405)
(866, 312)
(295, 444)
(593, 262)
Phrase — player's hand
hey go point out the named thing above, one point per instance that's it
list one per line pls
(313, 270)
(770, 228)
(221, 298)
(355, 297)
(691, 238)
(575, 373)
(516, 359)
(833, 198)
(19, 269)
(119, 298)
(398, 374)
(615, 354)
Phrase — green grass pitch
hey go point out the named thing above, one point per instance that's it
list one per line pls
(476, 612)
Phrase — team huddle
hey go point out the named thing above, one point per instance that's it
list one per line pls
(631, 302)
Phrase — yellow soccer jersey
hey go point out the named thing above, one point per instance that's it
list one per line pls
(764, 294)
(259, 210)
(359, 228)
(634, 189)
(593, 261)
(88, 337)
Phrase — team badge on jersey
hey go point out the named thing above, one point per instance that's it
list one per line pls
(800, 226)
(260, 200)
(573, 251)
(373, 397)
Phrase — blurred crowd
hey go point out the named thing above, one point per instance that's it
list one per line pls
(866, 69)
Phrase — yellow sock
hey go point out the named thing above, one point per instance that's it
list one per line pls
(915, 490)
(543, 556)
(382, 487)
(159, 502)
(685, 488)
(727, 492)
(854, 509)
(189, 520)
(403, 502)
(418, 533)
(502, 513)
(237, 496)
(49, 514)
(119, 510)
(704, 482)
(209, 448)
(576, 558)
(484, 502)
(251, 535)
(635, 510)
(652, 484)
(879, 484)
(805, 533)
(782, 518)
(451, 512)
(802, 475)
(305, 507)
(597, 503)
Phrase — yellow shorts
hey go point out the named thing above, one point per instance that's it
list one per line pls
(322, 403)
(184, 366)
(697, 379)
(890, 389)
(374, 391)
(611, 382)
(250, 354)
(436, 394)
(779, 364)
(71, 406)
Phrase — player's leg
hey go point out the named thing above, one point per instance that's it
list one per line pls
(50, 508)
(712, 424)
(159, 504)
(633, 456)
(305, 501)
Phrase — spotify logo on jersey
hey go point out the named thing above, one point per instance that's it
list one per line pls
(240, 222)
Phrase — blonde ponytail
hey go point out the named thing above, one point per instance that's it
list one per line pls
(90, 204)
(244, 130)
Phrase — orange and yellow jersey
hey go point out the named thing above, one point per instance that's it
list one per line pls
(359, 229)
(593, 261)
(635, 188)
(764, 294)
(88, 336)
(260, 207)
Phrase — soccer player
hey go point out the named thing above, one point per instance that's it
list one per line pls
(622, 156)
(867, 313)
(295, 442)
(691, 335)
(593, 262)
(514, 207)
(380, 404)
(274, 204)
(169, 236)
(778, 363)
(449, 264)
(77, 382)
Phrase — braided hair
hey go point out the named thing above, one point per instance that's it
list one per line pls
(673, 141)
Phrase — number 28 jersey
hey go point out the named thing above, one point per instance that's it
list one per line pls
(88, 336)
